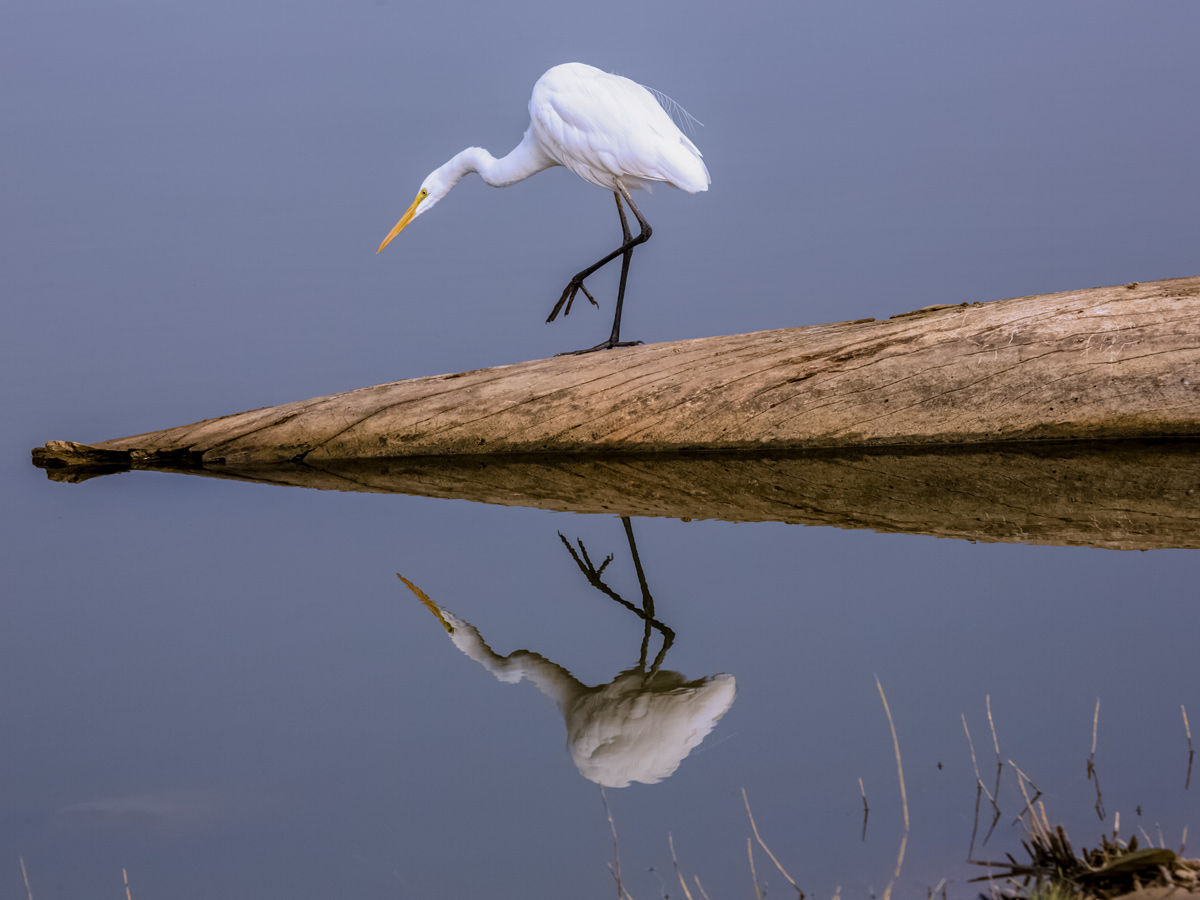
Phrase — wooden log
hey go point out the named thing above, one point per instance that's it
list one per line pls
(1103, 363)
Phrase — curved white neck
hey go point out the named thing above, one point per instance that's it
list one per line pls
(528, 158)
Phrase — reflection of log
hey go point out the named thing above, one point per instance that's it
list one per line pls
(1121, 495)
(1101, 363)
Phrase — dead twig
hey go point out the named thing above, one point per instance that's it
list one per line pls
(996, 744)
(678, 874)
(622, 894)
(1191, 753)
(980, 789)
(767, 849)
(1091, 767)
(903, 793)
(753, 874)
(866, 809)
(1035, 825)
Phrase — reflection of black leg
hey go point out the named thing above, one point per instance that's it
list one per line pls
(645, 646)
(647, 603)
(647, 600)
(646, 612)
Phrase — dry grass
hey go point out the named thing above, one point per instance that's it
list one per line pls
(1055, 871)
(1110, 870)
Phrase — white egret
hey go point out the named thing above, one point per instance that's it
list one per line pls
(609, 131)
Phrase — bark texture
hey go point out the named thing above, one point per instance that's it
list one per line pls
(1102, 363)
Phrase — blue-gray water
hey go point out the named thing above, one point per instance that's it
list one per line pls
(224, 688)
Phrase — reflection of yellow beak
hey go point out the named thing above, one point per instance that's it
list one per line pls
(420, 594)
(408, 216)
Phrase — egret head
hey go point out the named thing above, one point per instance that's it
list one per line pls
(433, 189)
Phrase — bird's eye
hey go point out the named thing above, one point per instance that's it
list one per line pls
(424, 193)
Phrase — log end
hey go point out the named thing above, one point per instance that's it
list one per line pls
(70, 462)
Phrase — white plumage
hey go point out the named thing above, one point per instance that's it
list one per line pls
(608, 130)
(611, 131)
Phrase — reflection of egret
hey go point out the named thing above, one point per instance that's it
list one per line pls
(609, 131)
(641, 725)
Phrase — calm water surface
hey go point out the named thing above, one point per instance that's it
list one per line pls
(225, 689)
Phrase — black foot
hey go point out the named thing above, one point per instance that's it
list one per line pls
(568, 297)
(607, 345)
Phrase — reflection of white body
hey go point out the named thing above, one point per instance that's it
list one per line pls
(637, 728)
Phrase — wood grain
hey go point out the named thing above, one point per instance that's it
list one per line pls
(1102, 363)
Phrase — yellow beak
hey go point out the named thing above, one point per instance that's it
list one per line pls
(421, 595)
(408, 216)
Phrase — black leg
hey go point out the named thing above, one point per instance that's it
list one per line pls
(626, 252)
(614, 338)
